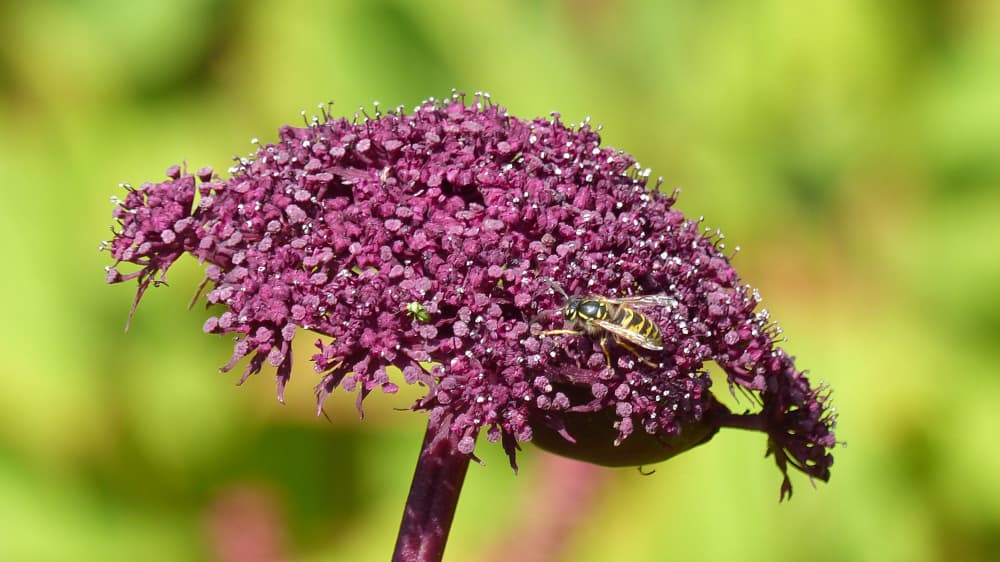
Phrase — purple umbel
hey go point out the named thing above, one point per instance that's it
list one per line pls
(429, 244)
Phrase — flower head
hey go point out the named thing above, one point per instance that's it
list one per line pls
(434, 244)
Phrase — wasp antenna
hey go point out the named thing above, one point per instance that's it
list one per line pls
(541, 315)
(556, 286)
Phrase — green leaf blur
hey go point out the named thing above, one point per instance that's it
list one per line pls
(851, 149)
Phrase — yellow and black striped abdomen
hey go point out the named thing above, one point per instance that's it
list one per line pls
(646, 332)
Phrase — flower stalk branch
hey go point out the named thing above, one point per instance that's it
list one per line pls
(750, 422)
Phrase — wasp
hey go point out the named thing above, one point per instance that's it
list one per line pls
(615, 318)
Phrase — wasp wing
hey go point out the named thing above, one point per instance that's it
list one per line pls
(661, 300)
(627, 335)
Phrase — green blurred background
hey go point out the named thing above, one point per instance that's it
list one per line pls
(851, 148)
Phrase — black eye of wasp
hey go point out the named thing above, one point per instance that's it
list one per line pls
(570, 310)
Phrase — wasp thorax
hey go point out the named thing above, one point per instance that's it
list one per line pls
(590, 308)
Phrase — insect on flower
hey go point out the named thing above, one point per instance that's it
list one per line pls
(601, 317)
(417, 311)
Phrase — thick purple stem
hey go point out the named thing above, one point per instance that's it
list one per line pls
(430, 507)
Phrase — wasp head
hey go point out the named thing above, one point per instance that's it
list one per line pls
(571, 309)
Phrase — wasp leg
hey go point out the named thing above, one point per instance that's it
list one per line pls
(635, 352)
(560, 332)
(604, 348)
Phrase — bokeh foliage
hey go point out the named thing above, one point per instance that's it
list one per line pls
(852, 149)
